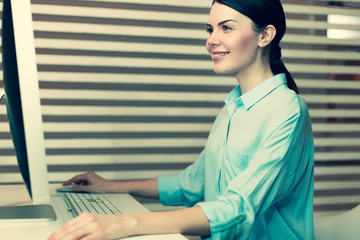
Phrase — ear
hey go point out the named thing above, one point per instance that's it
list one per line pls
(266, 36)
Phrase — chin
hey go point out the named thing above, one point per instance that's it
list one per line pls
(222, 71)
(225, 68)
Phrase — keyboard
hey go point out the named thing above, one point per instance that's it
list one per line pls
(91, 203)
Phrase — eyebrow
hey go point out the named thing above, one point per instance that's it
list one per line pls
(222, 22)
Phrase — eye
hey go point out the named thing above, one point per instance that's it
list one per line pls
(226, 28)
(209, 30)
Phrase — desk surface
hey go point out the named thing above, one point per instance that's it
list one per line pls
(12, 195)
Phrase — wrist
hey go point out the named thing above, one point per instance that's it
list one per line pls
(120, 226)
(117, 187)
(129, 225)
(110, 187)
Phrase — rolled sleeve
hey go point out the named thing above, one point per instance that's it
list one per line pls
(233, 214)
(227, 223)
(169, 190)
(185, 188)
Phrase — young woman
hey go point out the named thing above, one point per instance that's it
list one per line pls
(254, 178)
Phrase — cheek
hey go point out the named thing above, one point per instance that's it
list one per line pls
(245, 43)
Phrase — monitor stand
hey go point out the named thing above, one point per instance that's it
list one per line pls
(27, 213)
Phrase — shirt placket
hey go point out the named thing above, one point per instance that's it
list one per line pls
(231, 109)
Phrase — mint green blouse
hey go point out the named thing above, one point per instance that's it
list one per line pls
(254, 178)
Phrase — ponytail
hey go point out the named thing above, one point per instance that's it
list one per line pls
(277, 66)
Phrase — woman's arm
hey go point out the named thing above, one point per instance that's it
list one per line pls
(191, 221)
(91, 182)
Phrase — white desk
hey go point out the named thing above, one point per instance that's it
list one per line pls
(12, 195)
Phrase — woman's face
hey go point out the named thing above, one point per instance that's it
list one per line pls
(232, 42)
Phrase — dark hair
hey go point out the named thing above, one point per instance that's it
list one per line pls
(264, 13)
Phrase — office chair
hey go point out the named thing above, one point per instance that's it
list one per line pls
(344, 226)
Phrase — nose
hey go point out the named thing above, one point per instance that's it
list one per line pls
(212, 41)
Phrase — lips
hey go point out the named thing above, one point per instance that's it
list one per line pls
(217, 56)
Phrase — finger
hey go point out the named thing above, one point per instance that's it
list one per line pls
(75, 229)
(94, 236)
(78, 179)
(80, 188)
(88, 229)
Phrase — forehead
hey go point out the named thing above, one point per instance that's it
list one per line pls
(220, 12)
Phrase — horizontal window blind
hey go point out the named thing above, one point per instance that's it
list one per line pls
(127, 89)
(322, 49)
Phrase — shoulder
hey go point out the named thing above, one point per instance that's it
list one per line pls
(287, 101)
(285, 106)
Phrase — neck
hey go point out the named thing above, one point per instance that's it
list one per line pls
(253, 76)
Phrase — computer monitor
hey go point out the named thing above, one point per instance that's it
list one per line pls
(23, 101)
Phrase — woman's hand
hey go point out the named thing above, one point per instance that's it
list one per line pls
(89, 182)
(90, 226)
(190, 221)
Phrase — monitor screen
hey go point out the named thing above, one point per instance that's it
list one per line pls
(22, 97)
(13, 101)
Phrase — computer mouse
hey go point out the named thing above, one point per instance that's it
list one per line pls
(64, 189)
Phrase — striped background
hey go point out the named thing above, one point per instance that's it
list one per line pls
(127, 90)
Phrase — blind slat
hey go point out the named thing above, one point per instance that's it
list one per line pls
(318, 10)
(120, 14)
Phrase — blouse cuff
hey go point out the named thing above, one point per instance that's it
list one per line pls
(169, 190)
(227, 222)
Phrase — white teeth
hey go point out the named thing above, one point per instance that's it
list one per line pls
(220, 54)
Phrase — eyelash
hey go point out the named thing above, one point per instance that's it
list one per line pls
(210, 30)
(226, 28)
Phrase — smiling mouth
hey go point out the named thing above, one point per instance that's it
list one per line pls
(220, 54)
